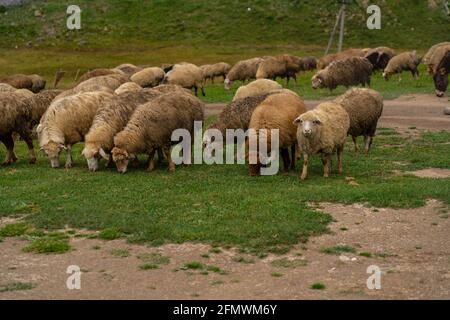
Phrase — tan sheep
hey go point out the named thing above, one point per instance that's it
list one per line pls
(111, 117)
(186, 75)
(66, 122)
(277, 111)
(364, 107)
(406, 61)
(4, 87)
(243, 70)
(346, 72)
(151, 127)
(127, 87)
(166, 88)
(323, 131)
(210, 71)
(107, 83)
(128, 68)
(308, 63)
(326, 60)
(432, 57)
(148, 77)
(32, 82)
(97, 73)
(257, 87)
(19, 114)
(284, 66)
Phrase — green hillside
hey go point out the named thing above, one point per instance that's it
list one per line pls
(128, 23)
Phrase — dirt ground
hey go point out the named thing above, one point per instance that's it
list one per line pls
(409, 246)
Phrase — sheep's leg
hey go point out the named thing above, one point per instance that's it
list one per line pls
(285, 157)
(305, 166)
(368, 143)
(9, 144)
(287, 81)
(160, 156)
(69, 160)
(340, 150)
(355, 143)
(166, 151)
(151, 160)
(203, 91)
(293, 156)
(195, 91)
(25, 133)
(326, 165)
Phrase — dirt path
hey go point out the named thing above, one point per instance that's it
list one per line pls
(409, 246)
(419, 110)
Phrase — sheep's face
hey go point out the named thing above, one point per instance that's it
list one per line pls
(227, 84)
(121, 158)
(386, 75)
(93, 155)
(317, 82)
(308, 127)
(52, 151)
(440, 82)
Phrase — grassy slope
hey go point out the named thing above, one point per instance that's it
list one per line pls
(220, 204)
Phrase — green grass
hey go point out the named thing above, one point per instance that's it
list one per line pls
(318, 286)
(17, 286)
(257, 215)
(154, 258)
(338, 250)
(14, 230)
(120, 253)
(289, 263)
(276, 274)
(192, 265)
(110, 234)
(48, 245)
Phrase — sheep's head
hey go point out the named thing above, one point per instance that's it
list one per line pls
(386, 75)
(227, 84)
(317, 82)
(440, 82)
(308, 124)
(121, 157)
(93, 154)
(52, 150)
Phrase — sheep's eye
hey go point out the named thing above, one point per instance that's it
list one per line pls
(316, 122)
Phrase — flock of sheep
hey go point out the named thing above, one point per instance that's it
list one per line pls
(129, 110)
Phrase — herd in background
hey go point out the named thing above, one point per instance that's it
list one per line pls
(130, 110)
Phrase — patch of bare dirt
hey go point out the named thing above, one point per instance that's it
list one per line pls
(410, 246)
(431, 173)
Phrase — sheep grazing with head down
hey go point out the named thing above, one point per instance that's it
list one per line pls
(210, 71)
(148, 77)
(111, 117)
(107, 83)
(151, 126)
(364, 107)
(243, 70)
(323, 62)
(429, 59)
(127, 68)
(127, 87)
(32, 82)
(437, 60)
(166, 88)
(257, 87)
(66, 122)
(97, 73)
(323, 131)
(406, 61)
(186, 75)
(283, 66)
(277, 111)
(308, 63)
(347, 72)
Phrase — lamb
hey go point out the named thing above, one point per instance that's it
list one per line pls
(151, 126)
(148, 77)
(328, 59)
(97, 73)
(364, 107)
(128, 68)
(284, 66)
(403, 62)
(33, 82)
(278, 111)
(186, 75)
(20, 114)
(323, 131)
(66, 122)
(346, 72)
(256, 87)
(111, 118)
(127, 87)
(243, 70)
(379, 57)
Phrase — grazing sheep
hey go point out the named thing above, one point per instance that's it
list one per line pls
(243, 70)
(430, 58)
(32, 82)
(4, 87)
(346, 72)
(127, 68)
(187, 75)
(96, 73)
(127, 87)
(112, 82)
(277, 111)
(93, 88)
(323, 131)
(379, 57)
(257, 87)
(66, 122)
(111, 118)
(151, 126)
(20, 114)
(166, 88)
(364, 107)
(148, 77)
(284, 66)
(210, 71)
(328, 59)
(24, 93)
(437, 60)
(403, 62)
(308, 63)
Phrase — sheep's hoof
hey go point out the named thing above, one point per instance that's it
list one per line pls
(302, 177)
(68, 166)
(171, 168)
(151, 166)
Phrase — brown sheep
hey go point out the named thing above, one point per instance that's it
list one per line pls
(243, 70)
(128, 68)
(32, 82)
(346, 72)
(437, 60)
(148, 77)
(210, 71)
(406, 61)
(151, 127)
(66, 122)
(127, 87)
(284, 66)
(186, 75)
(308, 63)
(432, 59)
(112, 81)
(111, 118)
(323, 131)
(277, 111)
(379, 57)
(364, 107)
(257, 87)
(96, 73)
(166, 88)
(326, 60)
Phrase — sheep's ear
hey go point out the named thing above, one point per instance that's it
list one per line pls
(103, 154)
(297, 120)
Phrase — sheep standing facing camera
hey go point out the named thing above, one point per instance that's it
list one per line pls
(323, 131)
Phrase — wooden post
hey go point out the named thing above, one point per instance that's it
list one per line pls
(341, 31)
(330, 41)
